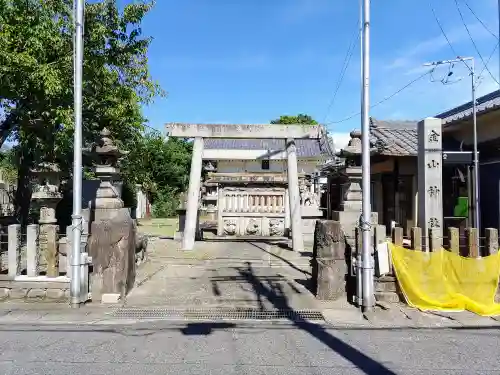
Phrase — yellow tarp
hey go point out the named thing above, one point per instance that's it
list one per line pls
(445, 281)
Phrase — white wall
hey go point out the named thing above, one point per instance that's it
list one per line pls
(241, 166)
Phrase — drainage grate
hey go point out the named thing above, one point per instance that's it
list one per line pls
(219, 314)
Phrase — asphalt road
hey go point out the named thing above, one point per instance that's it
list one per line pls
(211, 348)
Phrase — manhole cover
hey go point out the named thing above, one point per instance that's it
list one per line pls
(219, 314)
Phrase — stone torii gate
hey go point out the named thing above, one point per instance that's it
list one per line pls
(266, 131)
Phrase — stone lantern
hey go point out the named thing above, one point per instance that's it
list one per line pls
(351, 197)
(107, 156)
(351, 206)
(46, 193)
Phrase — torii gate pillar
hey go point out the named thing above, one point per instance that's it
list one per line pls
(200, 131)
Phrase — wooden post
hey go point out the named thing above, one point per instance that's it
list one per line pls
(454, 240)
(472, 245)
(435, 240)
(416, 238)
(491, 241)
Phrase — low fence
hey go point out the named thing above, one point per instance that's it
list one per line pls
(334, 263)
(467, 245)
(37, 263)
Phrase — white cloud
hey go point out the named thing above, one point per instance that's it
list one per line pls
(413, 57)
(340, 139)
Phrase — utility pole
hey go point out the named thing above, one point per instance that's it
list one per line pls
(365, 223)
(476, 218)
(75, 286)
(359, 255)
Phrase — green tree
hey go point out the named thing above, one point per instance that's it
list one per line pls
(162, 168)
(36, 79)
(299, 119)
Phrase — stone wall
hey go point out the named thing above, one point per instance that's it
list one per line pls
(37, 291)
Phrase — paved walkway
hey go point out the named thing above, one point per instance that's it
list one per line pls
(243, 275)
(223, 274)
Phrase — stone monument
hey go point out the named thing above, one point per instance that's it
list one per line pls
(430, 177)
(46, 196)
(112, 241)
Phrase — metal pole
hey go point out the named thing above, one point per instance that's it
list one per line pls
(77, 157)
(367, 262)
(477, 222)
(359, 258)
(476, 202)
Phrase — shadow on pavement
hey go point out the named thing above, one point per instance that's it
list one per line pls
(273, 293)
(281, 258)
(205, 328)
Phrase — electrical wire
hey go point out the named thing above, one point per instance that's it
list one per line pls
(345, 65)
(384, 99)
(446, 37)
(479, 19)
(485, 65)
(487, 62)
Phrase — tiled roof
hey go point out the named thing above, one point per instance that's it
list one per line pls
(395, 138)
(305, 147)
(485, 104)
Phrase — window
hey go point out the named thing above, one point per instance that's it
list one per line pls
(265, 164)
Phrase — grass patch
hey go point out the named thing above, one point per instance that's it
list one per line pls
(158, 227)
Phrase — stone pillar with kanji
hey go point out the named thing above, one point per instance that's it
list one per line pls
(46, 196)
(430, 177)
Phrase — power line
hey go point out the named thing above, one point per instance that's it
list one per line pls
(446, 36)
(474, 43)
(345, 65)
(487, 62)
(385, 99)
(480, 21)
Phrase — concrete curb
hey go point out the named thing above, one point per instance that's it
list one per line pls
(100, 317)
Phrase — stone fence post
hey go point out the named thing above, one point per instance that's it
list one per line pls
(14, 249)
(329, 262)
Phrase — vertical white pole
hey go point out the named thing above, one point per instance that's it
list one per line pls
(193, 196)
(367, 261)
(75, 291)
(294, 194)
(477, 211)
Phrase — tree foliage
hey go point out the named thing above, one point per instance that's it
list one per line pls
(299, 119)
(162, 168)
(36, 78)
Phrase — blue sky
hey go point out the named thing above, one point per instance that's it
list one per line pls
(249, 61)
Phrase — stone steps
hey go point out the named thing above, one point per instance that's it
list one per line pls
(235, 263)
(387, 289)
